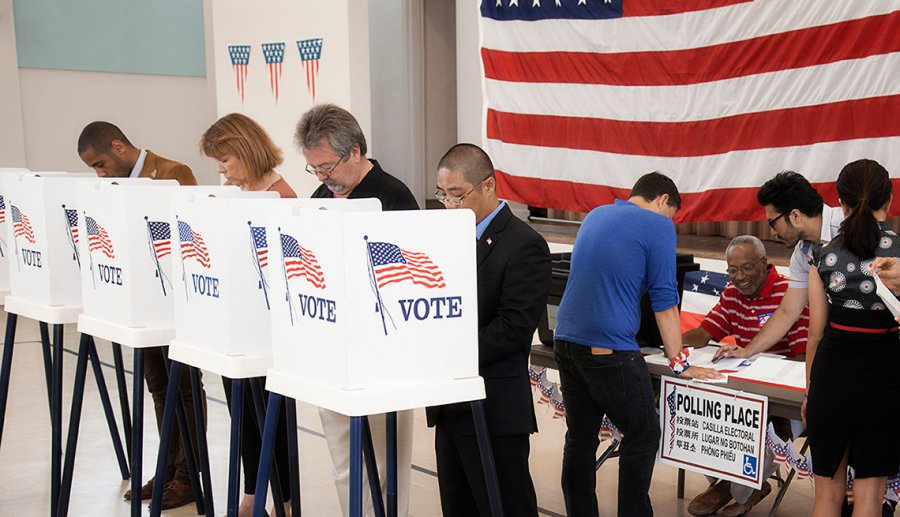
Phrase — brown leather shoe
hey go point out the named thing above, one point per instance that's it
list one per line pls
(736, 509)
(176, 493)
(710, 501)
(146, 491)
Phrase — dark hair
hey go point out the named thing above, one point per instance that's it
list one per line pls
(469, 160)
(863, 186)
(654, 184)
(789, 190)
(99, 135)
(335, 125)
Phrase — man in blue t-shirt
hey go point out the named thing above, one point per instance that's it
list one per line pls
(622, 251)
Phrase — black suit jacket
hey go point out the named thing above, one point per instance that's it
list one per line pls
(513, 282)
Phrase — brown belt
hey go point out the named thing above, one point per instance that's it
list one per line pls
(596, 350)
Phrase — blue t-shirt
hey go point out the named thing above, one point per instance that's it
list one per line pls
(621, 252)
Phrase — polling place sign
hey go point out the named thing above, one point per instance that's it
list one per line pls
(713, 430)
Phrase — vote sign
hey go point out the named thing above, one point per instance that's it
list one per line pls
(375, 299)
(712, 430)
(44, 265)
(125, 247)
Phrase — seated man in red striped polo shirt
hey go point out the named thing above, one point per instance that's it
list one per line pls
(755, 291)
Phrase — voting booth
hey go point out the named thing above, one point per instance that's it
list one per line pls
(43, 234)
(375, 312)
(224, 283)
(126, 255)
(4, 243)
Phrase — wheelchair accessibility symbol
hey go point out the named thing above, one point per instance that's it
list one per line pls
(750, 466)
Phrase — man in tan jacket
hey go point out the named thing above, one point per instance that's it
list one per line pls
(103, 147)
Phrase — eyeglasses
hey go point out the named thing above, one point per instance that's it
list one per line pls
(315, 171)
(746, 269)
(774, 220)
(456, 200)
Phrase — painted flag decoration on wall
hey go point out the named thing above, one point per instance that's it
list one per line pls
(240, 62)
(274, 55)
(585, 96)
(2, 210)
(310, 53)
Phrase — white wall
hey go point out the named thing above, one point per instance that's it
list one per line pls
(12, 141)
(166, 114)
(469, 96)
(343, 72)
(397, 138)
(162, 113)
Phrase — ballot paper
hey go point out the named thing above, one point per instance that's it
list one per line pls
(703, 357)
(887, 296)
(775, 372)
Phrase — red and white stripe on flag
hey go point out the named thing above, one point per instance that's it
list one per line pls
(718, 94)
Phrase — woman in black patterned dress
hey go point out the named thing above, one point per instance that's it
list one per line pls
(852, 358)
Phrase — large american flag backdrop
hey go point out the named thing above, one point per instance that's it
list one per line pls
(584, 96)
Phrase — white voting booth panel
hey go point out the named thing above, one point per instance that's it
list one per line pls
(379, 303)
(4, 243)
(222, 270)
(45, 261)
(127, 281)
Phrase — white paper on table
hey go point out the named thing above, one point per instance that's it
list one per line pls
(887, 296)
(775, 371)
(704, 357)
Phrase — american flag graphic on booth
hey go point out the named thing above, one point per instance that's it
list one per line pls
(240, 62)
(393, 264)
(261, 245)
(98, 237)
(161, 237)
(274, 55)
(301, 262)
(2, 210)
(192, 245)
(21, 225)
(310, 54)
(582, 98)
(72, 223)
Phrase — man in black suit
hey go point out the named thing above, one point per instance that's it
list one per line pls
(513, 282)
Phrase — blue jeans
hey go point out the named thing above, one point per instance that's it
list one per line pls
(617, 385)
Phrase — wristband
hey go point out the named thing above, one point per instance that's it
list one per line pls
(679, 363)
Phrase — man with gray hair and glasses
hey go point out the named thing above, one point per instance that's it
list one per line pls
(335, 150)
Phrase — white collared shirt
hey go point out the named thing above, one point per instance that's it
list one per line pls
(136, 171)
(803, 251)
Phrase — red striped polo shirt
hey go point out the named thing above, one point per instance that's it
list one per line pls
(742, 317)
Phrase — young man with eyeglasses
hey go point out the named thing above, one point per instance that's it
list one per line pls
(744, 306)
(335, 149)
(513, 272)
(799, 218)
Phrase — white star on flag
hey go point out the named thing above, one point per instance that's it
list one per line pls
(536, 3)
(582, 2)
(695, 287)
(704, 278)
(715, 291)
(513, 3)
